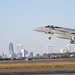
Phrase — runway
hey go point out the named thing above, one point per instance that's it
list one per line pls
(39, 60)
(39, 71)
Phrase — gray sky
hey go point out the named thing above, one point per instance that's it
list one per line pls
(19, 17)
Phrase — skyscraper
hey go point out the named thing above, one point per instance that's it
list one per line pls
(19, 48)
(11, 49)
(31, 54)
(22, 52)
(25, 53)
(69, 47)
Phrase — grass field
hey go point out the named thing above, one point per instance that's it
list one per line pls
(37, 65)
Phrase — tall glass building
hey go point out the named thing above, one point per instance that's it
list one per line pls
(11, 49)
(25, 53)
(31, 54)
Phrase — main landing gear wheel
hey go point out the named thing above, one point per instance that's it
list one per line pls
(71, 41)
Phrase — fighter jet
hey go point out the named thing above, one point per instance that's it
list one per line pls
(59, 32)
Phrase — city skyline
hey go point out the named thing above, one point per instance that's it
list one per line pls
(21, 49)
(18, 18)
(27, 53)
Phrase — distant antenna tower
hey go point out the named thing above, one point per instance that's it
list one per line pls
(49, 49)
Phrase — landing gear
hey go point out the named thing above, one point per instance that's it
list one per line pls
(50, 35)
(49, 38)
(71, 41)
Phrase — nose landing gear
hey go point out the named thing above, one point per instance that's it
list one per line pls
(49, 38)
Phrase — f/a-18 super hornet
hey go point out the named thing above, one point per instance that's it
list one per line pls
(60, 32)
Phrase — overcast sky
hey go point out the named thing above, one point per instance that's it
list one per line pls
(19, 17)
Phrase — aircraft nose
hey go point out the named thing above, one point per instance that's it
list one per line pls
(37, 29)
(34, 29)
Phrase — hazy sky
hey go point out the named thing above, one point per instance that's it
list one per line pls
(19, 17)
